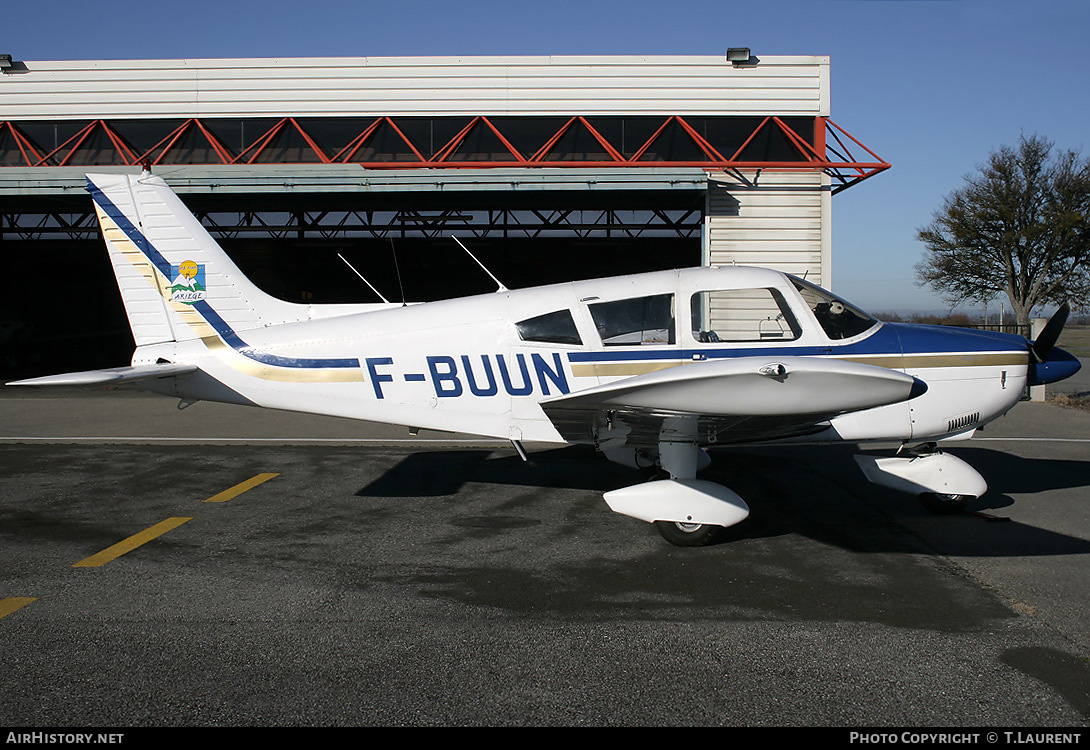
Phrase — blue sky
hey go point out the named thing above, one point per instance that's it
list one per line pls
(932, 86)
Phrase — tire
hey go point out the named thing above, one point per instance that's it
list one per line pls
(945, 504)
(687, 534)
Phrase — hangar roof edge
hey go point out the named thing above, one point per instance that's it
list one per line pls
(499, 60)
(348, 178)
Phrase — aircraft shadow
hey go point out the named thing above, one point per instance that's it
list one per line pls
(1018, 474)
(443, 473)
(816, 491)
(980, 531)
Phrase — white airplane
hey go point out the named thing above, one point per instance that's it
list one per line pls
(651, 369)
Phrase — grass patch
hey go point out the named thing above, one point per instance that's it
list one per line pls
(1071, 400)
(1076, 340)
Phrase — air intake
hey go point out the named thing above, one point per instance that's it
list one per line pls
(958, 424)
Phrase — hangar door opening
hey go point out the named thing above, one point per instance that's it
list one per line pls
(292, 246)
(302, 252)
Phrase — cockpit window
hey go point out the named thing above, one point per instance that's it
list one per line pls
(551, 328)
(733, 315)
(839, 319)
(635, 322)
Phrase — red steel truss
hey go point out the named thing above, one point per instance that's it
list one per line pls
(833, 150)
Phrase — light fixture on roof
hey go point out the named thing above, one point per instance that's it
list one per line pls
(738, 56)
(5, 62)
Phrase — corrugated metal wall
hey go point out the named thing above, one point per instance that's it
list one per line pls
(779, 220)
(415, 86)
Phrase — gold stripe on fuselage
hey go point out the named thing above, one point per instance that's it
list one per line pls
(610, 369)
(983, 359)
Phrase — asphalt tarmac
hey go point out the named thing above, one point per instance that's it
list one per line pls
(351, 574)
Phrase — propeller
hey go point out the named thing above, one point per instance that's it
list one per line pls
(1041, 347)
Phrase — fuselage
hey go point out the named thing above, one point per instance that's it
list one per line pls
(484, 364)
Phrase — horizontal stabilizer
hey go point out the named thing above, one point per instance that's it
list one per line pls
(110, 376)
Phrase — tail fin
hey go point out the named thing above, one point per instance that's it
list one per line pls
(176, 282)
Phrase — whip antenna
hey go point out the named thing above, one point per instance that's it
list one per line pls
(397, 268)
(501, 287)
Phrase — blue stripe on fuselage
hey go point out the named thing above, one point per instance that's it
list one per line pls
(926, 339)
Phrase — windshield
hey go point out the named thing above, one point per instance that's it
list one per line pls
(839, 319)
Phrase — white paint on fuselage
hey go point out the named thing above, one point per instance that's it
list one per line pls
(459, 365)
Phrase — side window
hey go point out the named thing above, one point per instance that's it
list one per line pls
(635, 322)
(551, 328)
(742, 315)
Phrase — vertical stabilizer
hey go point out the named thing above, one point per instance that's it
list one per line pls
(177, 283)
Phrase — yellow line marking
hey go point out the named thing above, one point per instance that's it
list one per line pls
(241, 487)
(134, 541)
(12, 603)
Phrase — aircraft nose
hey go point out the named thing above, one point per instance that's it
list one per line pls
(1057, 366)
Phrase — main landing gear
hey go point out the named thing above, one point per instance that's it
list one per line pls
(690, 512)
(687, 512)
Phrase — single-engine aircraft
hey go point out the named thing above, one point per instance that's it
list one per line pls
(651, 369)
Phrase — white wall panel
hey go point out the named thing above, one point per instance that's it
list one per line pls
(415, 86)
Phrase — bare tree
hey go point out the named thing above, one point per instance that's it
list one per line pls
(1020, 226)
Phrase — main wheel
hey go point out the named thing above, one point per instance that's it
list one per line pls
(939, 503)
(687, 534)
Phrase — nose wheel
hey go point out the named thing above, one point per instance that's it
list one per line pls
(945, 504)
(943, 483)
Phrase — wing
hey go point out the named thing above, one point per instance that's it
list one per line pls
(744, 399)
(110, 376)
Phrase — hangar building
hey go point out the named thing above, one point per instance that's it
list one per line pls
(547, 168)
